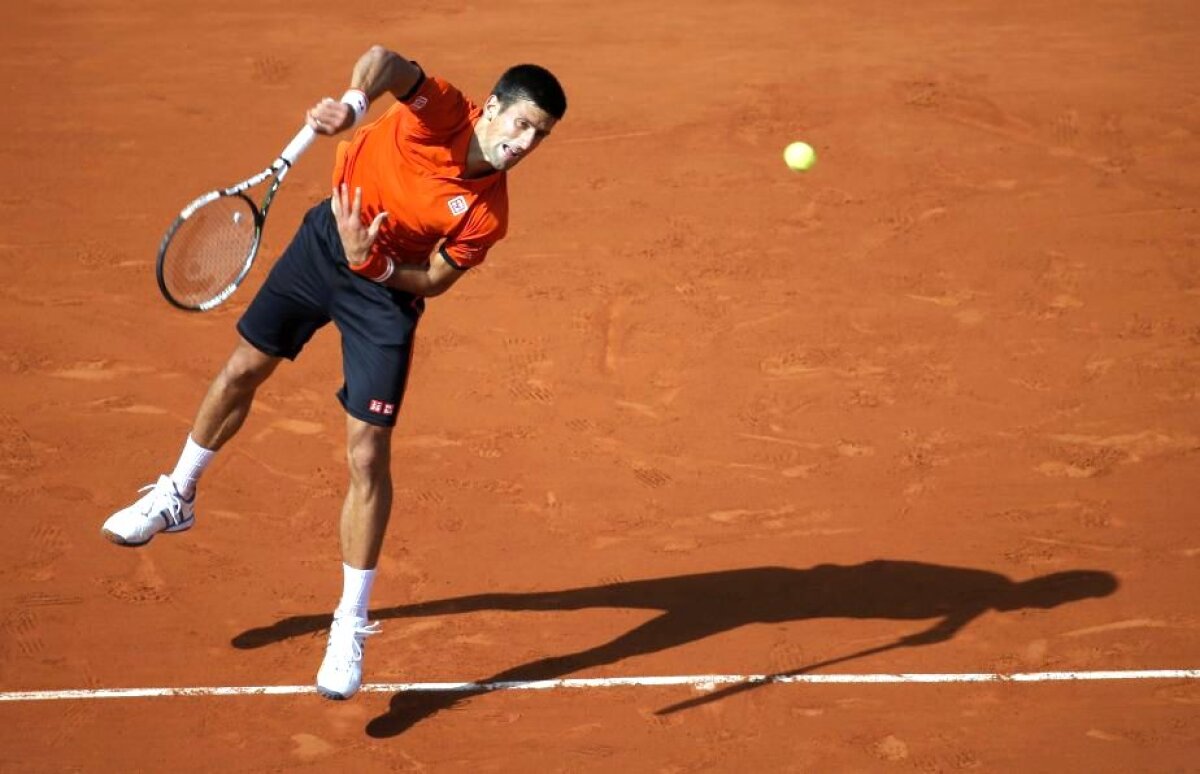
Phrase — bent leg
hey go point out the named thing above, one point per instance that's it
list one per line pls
(231, 394)
(169, 505)
(285, 313)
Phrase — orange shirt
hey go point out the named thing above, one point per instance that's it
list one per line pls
(410, 163)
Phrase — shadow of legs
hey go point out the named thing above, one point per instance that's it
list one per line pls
(408, 708)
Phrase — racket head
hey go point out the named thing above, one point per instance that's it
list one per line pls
(208, 250)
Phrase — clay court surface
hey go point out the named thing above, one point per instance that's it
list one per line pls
(697, 415)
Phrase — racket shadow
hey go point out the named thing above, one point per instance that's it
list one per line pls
(697, 606)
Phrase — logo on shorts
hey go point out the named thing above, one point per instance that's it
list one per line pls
(419, 103)
(379, 407)
(457, 205)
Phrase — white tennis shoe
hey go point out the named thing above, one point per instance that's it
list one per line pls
(161, 509)
(340, 675)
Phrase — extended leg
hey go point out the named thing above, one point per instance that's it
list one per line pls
(368, 504)
(365, 515)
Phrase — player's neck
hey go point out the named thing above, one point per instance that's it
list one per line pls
(477, 165)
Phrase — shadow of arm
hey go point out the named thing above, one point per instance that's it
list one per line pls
(944, 629)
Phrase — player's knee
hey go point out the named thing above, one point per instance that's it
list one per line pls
(237, 378)
(245, 371)
(368, 455)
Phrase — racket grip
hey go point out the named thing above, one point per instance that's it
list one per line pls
(298, 145)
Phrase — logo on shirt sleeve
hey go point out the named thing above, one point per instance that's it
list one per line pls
(418, 103)
(457, 205)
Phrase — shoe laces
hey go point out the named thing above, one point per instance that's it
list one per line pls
(165, 501)
(346, 637)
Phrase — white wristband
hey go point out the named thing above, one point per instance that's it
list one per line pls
(357, 100)
(391, 267)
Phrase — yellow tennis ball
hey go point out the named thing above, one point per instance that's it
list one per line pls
(799, 156)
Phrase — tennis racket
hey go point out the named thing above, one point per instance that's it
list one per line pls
(758, 682)
(209, 249)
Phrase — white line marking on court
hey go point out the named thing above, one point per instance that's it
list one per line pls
(699, 682)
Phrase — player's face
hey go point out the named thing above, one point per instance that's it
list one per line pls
(513, 132)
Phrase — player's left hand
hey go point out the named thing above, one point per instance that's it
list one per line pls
(329, 117)
(357, 237)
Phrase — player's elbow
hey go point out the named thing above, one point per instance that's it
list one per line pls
(438, 282)
(378, 51)
(441, 275)
(434, 288)
(384, 60)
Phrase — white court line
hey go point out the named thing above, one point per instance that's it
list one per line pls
(700, 682)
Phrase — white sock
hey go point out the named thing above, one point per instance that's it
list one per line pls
(356, 591)
(192, 462)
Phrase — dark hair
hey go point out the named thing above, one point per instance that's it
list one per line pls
(533, 83)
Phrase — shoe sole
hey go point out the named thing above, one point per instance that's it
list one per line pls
(121, 541)
(332, 695)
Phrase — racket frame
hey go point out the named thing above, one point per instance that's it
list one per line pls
(278, 170)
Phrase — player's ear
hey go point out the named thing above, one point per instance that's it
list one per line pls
(491, 108)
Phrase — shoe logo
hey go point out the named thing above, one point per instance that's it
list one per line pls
(419, 103)
(457, 205)
(380, 407)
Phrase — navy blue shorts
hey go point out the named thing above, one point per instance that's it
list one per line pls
(312, 284)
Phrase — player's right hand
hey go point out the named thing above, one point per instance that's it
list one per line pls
(329, 117)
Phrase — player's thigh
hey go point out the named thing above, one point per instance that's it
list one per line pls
(293, 303)
(378, 326)
(376, 377)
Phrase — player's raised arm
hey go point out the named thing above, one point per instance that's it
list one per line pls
(380, 70)
(377, 71)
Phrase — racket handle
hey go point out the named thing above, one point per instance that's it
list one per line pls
(298, 145)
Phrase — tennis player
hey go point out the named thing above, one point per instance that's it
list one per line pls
(419, 197)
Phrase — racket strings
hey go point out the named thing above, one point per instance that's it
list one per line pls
(210, 250)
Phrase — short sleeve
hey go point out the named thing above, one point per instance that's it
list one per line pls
(484, 226)
(437, 110)
(463, 255)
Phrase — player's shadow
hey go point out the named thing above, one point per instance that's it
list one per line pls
(697, 606)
